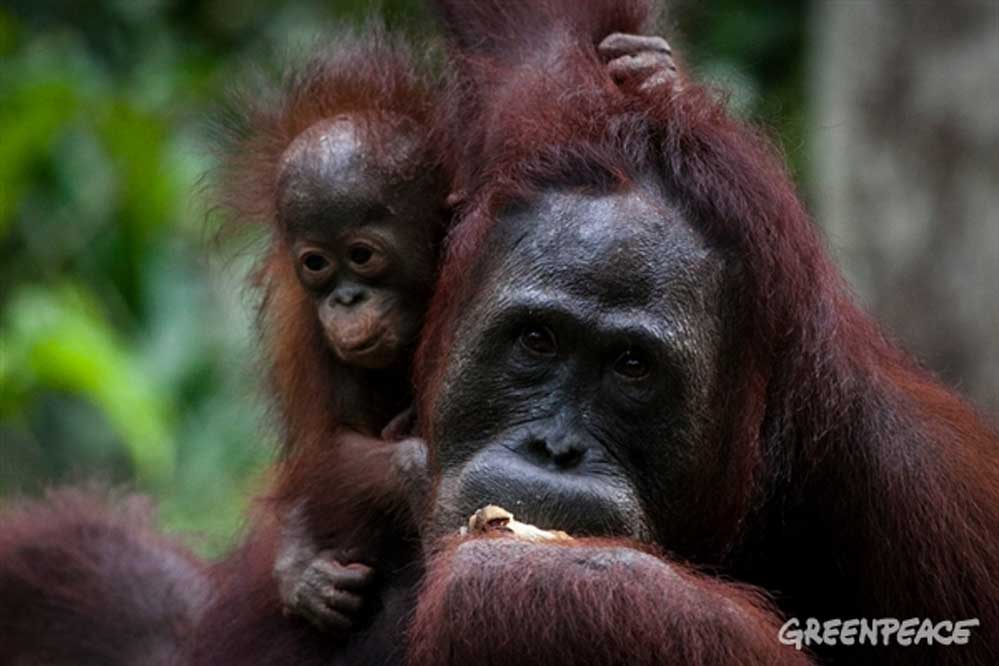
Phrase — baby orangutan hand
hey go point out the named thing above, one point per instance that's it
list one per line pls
(327, 592)
(326, 587)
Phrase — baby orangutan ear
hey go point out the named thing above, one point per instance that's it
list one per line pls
(496, 520)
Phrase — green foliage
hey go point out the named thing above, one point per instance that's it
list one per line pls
(125, 350)
(57, 339)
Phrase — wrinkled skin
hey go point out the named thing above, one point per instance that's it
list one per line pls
(582, 394)
(639, 62)
(581, 385)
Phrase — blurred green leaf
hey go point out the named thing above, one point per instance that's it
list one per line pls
(136, 143)
(57, 339)
(8, 32)
(31, 114)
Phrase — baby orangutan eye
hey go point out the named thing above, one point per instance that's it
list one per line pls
(314, 262)
(367, 259)
(360, 254)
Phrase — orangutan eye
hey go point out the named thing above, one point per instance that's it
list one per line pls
(632, 365)
(314, 262)
(539, 340)
(360, 255)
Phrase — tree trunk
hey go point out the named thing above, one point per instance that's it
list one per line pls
(906, 174)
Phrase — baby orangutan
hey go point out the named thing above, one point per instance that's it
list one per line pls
(340, 167)
(362, 227)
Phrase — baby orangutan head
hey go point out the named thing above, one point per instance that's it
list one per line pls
(362, 226)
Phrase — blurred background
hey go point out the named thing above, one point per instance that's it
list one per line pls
(126, 335)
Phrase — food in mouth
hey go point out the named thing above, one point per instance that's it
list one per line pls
(492, 519)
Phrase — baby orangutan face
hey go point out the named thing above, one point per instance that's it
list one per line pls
(362, 227)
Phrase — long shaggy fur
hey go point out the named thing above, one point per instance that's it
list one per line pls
(606, 603)
(857, 484)
(367, 73)
(342, 484)
(382, 82)
(244, 623)
(86, 579)
(351, 495)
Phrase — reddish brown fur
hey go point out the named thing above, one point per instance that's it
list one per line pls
(353, 498)
(377, 79)
(606, 603)
(335, 470)
(865, 489)
(86, 579)
(245, 622)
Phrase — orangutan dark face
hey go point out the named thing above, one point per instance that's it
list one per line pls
(362, 237)
(581, 392)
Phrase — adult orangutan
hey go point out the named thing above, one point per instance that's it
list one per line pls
(638, 339)
(638, 334)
